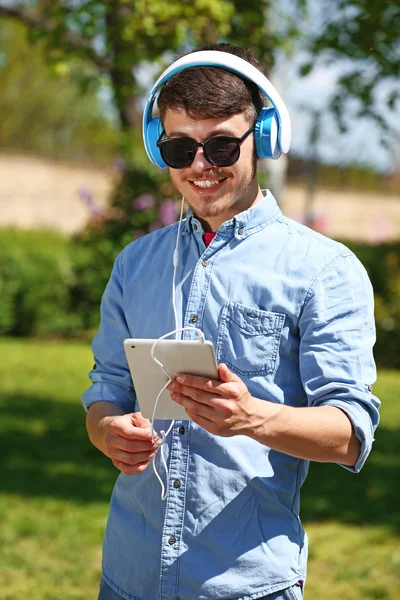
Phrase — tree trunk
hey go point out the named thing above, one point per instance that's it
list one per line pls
(121, 74)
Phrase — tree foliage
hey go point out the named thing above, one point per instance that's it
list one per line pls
(107, 43)
(110, 39)
(364, 35)
(45, 112)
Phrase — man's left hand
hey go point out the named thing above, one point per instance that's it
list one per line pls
(223, 407)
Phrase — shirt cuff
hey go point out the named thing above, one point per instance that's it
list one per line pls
(111, 392)
(362, 426)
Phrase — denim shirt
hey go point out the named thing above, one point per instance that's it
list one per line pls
(290, 312)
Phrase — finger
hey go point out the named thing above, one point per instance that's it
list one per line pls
(203, 422)
(138, 420)
(130, 432)
(225, 389)
(201, 383)
(196, 407)
(120, 443)
(209, 399)
(131, 459)
(129, 469)
(226, 375)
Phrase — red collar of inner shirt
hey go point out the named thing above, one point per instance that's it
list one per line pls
(208, 238)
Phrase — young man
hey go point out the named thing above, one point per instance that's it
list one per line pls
(290, 314)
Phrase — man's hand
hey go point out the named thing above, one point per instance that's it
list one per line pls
(224, 407)
(129, 443)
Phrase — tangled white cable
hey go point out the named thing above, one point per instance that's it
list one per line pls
(163, 434)
(164, 489)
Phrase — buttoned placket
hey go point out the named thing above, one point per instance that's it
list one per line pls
(174, 511)
(180, 442)
(202, 274)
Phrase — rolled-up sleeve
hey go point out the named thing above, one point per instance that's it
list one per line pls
(110, 376)
(337, 334)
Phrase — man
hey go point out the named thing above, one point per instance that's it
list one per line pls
(290, 314)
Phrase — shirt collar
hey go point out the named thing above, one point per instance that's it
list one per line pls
(258, 216)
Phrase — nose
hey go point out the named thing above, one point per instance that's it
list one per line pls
(200, 162)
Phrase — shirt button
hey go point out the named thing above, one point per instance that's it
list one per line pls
(241, 231)
(181, 430)
(204, 263)
(172, 540)
(195, 227)
(193, 318)
(177, 484)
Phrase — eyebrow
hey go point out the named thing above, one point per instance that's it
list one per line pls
(222, 131)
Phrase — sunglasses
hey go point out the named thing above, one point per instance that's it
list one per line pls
(220, 151)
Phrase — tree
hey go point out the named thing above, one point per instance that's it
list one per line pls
(109, 40)
(42, 111)
(106, 43)
(364, 36)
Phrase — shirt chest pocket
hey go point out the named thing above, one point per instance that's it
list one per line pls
(248, 339)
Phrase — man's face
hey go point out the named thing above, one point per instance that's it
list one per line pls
(233, 188)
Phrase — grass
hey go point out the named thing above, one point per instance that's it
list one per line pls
(55, 489)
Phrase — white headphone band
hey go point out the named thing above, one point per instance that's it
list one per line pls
(230, 62)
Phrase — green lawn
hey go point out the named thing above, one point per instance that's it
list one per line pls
(55, 488)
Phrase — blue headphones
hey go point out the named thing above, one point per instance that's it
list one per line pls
(272, 131)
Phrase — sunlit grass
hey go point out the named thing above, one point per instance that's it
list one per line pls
(55, 488)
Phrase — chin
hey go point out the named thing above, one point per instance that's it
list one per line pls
(209, 206)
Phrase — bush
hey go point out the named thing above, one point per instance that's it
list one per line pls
(50, 285)
(36, 273)
(141, 201)
(383, 266)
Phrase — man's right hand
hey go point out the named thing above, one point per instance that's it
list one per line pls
(129, 443)
(125, 438)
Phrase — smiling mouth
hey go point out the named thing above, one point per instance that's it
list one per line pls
(206, 183)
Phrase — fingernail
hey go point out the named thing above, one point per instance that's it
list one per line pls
(180, 379)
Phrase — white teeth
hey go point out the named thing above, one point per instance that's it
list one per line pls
(205, 183)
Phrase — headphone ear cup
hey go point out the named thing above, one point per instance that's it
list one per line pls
(153, 132)
(266, 134)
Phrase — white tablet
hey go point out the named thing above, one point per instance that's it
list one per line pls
(177, 356)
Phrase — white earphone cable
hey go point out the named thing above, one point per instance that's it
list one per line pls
(163, 434)
(175, 262)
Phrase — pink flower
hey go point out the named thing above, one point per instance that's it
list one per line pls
(168, 212)
(143, 202)
(119, 165)
(86, 195)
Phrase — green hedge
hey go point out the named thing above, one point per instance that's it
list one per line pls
(36, 274)
(52, 286)
(383, 266)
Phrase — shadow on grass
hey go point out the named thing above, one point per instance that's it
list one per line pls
(52, 456)
(369, 497)
(45, 451)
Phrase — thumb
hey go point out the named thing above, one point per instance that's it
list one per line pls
(226, 375)
(138, 420)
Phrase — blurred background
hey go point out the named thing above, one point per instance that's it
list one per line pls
(76, 186)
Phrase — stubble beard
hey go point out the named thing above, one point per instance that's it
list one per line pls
(208, 207)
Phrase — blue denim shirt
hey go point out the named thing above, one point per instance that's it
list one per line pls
(289, 311)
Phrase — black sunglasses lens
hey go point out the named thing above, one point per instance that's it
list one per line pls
(178, 153)
(222, 152)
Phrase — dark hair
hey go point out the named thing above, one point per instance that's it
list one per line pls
(212, 92)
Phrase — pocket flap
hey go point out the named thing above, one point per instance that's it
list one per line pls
(254, 321)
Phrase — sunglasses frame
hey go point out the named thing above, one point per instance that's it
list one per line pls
(238, 141)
